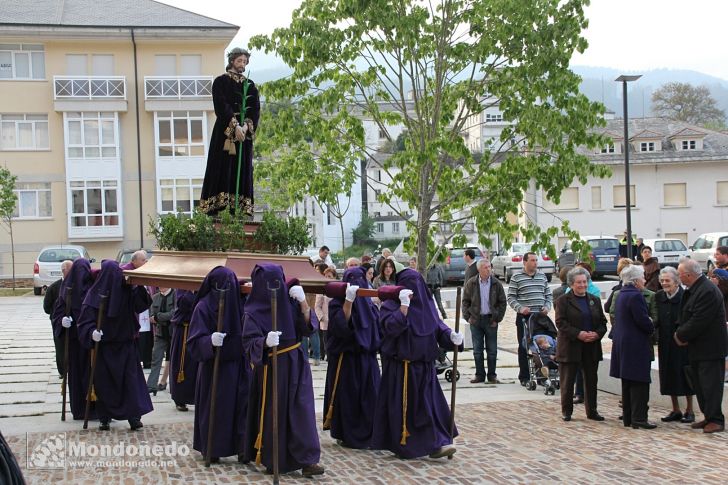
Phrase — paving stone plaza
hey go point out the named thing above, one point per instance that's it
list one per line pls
(507, 433)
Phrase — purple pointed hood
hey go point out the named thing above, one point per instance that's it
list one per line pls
(79, 279)
(258, 306)
(185, 305)
(365, 314)
(422, 315)
(222, 278)
(110, 282)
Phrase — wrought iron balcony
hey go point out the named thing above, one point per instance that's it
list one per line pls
(89, 87)
(177, 87)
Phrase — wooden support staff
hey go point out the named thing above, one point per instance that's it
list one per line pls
(94, 356)
(458, 299)
(65, 355)
(215, 367)
(274, 381)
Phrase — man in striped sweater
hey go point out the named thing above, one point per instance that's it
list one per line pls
(528, 292)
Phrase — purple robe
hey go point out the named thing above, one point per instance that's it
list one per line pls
(119, 383)
(79, 280)
(355, 343)
(298, 442)
(233, 371)
(414, 340)
(182, 385)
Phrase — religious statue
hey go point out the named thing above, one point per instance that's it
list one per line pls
(228, 183)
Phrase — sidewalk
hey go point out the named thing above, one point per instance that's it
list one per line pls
(507, 434)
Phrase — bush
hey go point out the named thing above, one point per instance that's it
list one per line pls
(288, 236)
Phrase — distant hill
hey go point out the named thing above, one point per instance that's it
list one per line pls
(598, 84)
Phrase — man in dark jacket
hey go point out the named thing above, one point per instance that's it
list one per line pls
(484, 305)
(436, 280)
(49, 301)
(703, 329)
(470, 268)
(160, 314)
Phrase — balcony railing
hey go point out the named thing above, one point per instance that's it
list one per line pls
(177, 87)
(89, 87)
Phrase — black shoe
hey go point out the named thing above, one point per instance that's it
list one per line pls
(578, 399)
(135, 424)
(566, 417)
(182, 407)
(241, 459)
(673, 416)
(524, 383)
(161, 387)
(104, 426)
(152, 391)
(310, 470)
(595, 417)
(444, 316)
(643, 425)
(688, 418)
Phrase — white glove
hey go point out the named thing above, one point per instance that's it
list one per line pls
(296, 292)
(351, 292)
(404, 297)
(66, 322)
(457, 337)
(96, 335)
(273, 338)
(217, 338)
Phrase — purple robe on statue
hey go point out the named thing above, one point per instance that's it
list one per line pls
(298, 442)
(182, 367)
(79, 279)
(353, 368)
(233, 371)
(409, 348)
(119, 383)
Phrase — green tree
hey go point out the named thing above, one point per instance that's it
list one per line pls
(8, 203)
(364, 231)
(688, 103)
(431, 67)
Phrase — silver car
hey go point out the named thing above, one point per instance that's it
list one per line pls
(508, 261)
(667, 251)
(47, 267)
(703, 249)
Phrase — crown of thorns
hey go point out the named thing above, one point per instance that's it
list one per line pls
(237, 52)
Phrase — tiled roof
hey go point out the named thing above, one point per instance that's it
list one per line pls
(646, 135)
(715, 143)
(687, 132)
(102, 13)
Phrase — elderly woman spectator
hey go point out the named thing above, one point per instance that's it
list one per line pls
(321, 307)
(673, 358)
(652, 269)
(388, 275)
(353, 263)
(632, 349)
(581, 325)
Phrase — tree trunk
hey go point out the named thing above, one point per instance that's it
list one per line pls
(341, 226)
(12, 252)
(423, 235)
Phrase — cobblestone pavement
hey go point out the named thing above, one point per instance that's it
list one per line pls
(507, 434)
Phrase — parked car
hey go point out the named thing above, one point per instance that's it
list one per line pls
(125, 255)
(455, 264)
(47, 267)
(704, 246)
(604, 255)
(508, 261)
(667, 251)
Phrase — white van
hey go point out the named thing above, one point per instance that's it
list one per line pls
(703, 249)
(667, 251)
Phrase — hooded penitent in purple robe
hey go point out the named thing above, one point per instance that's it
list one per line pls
(78, 280)
(409, 348)
(233, 372)
(119, 383)
(182, 367)
(352, 377)
(298, 442)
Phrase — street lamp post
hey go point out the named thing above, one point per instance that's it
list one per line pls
(627, 188)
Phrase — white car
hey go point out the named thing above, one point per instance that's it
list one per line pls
(47, 267)
(667, 251)
(703, 249)
(509, 261)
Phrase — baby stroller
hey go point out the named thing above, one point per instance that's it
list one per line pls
(543, 369)
(444, 364)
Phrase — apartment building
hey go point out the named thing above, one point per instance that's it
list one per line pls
(678, 184)
(105, 117)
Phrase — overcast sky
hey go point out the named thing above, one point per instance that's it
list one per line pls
(630, 35)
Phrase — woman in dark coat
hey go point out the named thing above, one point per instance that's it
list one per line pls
(652, 269)
(673, 359)
(632, 351)
(581, 325)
